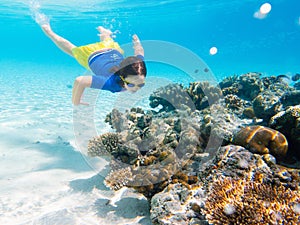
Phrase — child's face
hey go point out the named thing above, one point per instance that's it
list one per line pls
(134, 83)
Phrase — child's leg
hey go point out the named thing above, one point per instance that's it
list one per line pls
(59, 41)
(104, 33)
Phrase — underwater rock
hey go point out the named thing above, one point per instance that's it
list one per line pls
(155, 149)
(262, 140)
(240, 185)
(265, 94)
(288, 123)
(163, 156)
(239, 163)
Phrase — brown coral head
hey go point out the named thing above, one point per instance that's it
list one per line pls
(262, 140)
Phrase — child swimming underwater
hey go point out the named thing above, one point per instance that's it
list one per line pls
(105, 59)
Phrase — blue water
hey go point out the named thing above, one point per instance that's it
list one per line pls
(39, 143)
(269, 45)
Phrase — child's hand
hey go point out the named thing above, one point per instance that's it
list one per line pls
(135, 39)
(138, 49)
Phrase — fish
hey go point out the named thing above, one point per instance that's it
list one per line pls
(296, 77)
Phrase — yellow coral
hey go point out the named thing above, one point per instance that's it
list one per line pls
(250, 202)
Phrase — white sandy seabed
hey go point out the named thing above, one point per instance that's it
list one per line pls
(45, 177)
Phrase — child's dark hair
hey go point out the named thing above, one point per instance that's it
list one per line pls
(131, 65)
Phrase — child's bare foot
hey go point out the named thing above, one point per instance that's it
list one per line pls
(104, 33)
(102, 30)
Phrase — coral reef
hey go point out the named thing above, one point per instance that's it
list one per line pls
(151, 150)
(262, 140)
(233, 188)
(265, 96)
(210, 154)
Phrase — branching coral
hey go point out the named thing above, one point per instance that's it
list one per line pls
(118, 180)
(103, 145)
(251, 202)
(110, 144)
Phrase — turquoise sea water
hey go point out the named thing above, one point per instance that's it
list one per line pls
(36, 115)
(245, 43)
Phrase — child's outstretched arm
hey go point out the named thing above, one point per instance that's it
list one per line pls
(80, 84)
(137, 46)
